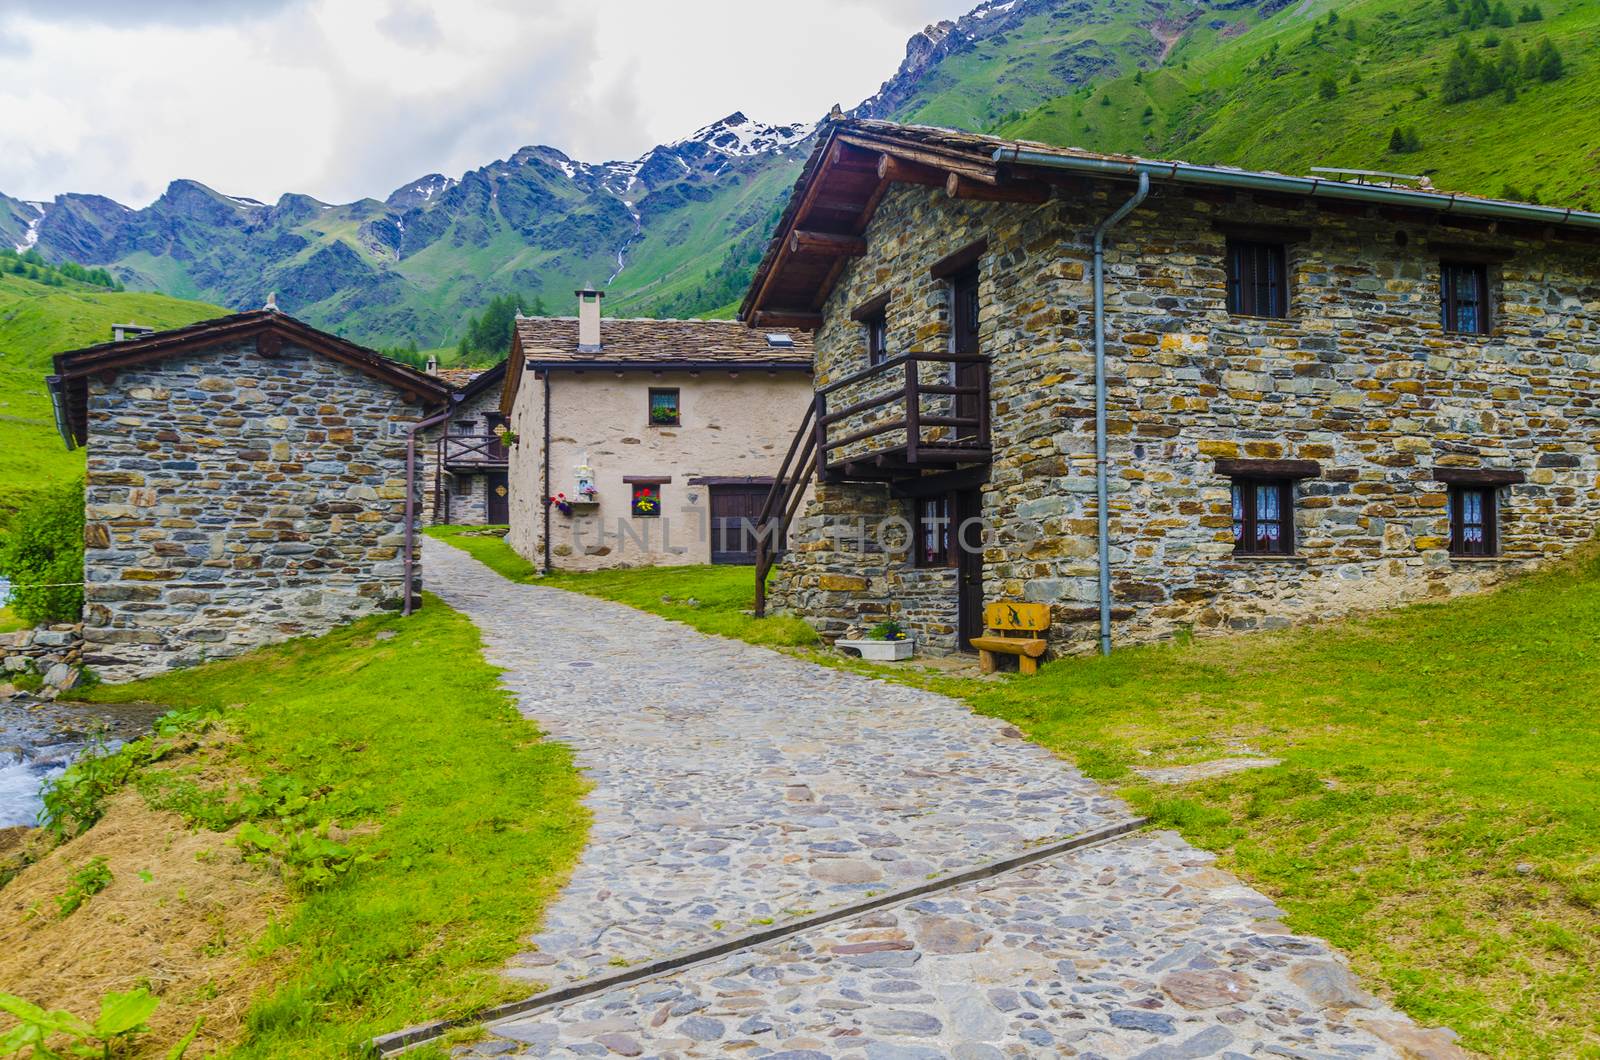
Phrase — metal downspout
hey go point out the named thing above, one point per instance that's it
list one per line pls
(546, 485)
(411, 499)
(1102, 490)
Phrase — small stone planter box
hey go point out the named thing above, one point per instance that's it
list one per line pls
(879, 650)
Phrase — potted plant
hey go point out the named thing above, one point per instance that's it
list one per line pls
(885, 642)
(561, 503)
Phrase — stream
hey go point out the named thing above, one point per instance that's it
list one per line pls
(39, 739)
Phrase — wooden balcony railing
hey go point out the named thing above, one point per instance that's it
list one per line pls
(913, 411)
(469, 450)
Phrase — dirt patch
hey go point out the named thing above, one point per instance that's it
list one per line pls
(179, 917)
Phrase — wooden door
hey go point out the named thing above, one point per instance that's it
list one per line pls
(734, 512)
(964, 339)
(967, 540)
(498, 508)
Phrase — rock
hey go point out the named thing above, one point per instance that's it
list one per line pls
(533, 1032)
(904, 1021)
(1330, 985)
(971, 1019)
(1201, 990)
(17, 663)
(1207, 1043)
(384, 634)
(1418, 1043)
(1133, 1020)
(942, 935)
(845, 870)
(62, 676)
(620, 1044)
(702, 1028)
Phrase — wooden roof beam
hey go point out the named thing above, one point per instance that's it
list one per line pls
(899, 171)
(958, 187)
(830, 244)
(804, 319)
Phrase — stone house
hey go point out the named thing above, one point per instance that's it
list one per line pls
(247, 481)
(646, 442)
(1322, 394)
(465, 460)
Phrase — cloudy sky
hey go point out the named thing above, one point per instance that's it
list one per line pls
(345, 98)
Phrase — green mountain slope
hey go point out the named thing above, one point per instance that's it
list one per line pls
(1252, 94)
(37, 320)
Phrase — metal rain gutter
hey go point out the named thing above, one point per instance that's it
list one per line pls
(1311, 187)
(58, 405)
(411, 497)
(669, 366)
(1101, 488)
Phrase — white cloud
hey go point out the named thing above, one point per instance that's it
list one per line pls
(348, 98)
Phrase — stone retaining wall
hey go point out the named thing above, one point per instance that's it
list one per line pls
(1360, 377)
(55, 652)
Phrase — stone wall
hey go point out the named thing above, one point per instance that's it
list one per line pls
(54, 652)
(1361, 377)
(234, 500)
(468, 501)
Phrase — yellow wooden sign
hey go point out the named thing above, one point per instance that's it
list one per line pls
(1005, 615)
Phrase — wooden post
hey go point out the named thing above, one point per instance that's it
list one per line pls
(822, 436)
(913, 411)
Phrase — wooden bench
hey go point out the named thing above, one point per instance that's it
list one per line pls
(1013, 629)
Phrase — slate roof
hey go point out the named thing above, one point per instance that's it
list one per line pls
(68, 387)
(638, 341)
(457, 377)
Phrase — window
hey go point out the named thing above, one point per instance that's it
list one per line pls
(1257, 284)
(466, 426)
(1472, 521)
(1464, 298)
(646, 500)
(877, 327)
(933, 532)
(463, 485)
(663, 407)
(1263, 517)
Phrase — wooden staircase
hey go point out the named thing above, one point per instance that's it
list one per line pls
(783, 500)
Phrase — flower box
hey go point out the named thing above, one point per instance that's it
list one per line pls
(878, 650)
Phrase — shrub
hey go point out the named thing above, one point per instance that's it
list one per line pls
(43, 555)
(1403, 141)
(1328, 89)
(87, 882)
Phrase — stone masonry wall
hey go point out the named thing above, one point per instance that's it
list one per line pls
(469, 507)
(234, 500)
(1361, 377)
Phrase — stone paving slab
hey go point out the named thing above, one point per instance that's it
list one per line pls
(1134, 948)
(735, 786)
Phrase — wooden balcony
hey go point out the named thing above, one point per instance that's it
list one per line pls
(913, 413)
(472, 452)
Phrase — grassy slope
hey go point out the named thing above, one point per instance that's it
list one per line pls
(712, 599)
(1435, 814)
(1220, 97)
(472, 822)
(37, 321)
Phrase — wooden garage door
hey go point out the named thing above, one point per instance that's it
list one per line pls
(734, 510)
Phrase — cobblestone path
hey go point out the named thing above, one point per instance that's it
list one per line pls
(735, 788)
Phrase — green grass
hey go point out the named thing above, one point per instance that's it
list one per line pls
(1226, 96)
(36, 321)
(712, 599)
(1436, 814)
(470, 821)
(10, 622)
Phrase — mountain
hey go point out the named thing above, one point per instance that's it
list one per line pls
(1281, 84)
(1329, 83)
(41, 316)
(411, 266)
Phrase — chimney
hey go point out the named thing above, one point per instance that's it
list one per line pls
(123, 332)
(589, 319)
(433, 365)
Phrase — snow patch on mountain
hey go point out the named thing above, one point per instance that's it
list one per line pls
(737, 135)
(31, 236)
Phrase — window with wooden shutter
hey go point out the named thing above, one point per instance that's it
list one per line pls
(1257, 279)
(1473, 529)
(1263, 517)
(1464, 297)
